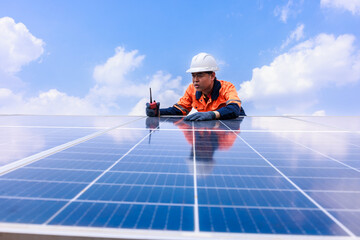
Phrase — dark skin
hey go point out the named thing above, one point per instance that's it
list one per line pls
(204, 82)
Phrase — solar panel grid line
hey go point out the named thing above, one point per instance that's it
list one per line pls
(48, 232)
(267, 207)
(151, 172)
(330, 178)
(320, 167)
(54, 127)
(293, 131)
(332, 191)
(331, 158)
(92, 154)
(344, 210)
(257, 130)
(27, 160)
(196, 203)
(35, 198)
(65, 169)
(42, 181)
(127, 202)
(94, 181)
(341, 225)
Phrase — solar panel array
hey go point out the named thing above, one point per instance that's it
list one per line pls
(136, 177)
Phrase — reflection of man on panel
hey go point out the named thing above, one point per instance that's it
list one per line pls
(206, 140)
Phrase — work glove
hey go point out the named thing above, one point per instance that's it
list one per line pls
(201, 116)
(152, 112)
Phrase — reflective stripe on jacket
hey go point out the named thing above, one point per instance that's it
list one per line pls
(223, 94)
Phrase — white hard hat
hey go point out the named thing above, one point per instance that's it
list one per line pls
(203, 62)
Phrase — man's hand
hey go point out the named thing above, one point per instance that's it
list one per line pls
(152, 112)
(201, 116)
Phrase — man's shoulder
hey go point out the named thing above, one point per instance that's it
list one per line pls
(191, 88)
(225, 83)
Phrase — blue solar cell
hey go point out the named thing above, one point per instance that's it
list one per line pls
(160, 217)
(37, 189)
(65, 155)
(147, 179)
(127, 216)
(137, 166)
(145, 220)
(27, 210)
(70, 164)
(244, 182)
(132, 193)
(249, 220)
(104, 213)
(52, 175)
(245, 170)
(253, 198)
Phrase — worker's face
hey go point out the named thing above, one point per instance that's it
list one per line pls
(203, 81)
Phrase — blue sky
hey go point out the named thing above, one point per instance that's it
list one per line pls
(100, 57)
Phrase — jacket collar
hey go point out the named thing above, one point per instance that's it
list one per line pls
(214, 93)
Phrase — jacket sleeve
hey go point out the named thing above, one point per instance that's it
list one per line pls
(233, 107)
(170, 111)
(231, 95)
(182, 107)
(185, 102)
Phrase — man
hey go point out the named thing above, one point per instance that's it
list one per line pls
(212, 98)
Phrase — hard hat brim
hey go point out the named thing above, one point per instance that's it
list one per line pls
(201, 69)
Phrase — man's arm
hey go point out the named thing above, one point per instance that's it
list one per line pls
(232, 110)
(170, 111)
(182, 107)
(233, 107)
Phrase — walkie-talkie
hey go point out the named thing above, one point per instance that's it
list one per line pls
(153, 104)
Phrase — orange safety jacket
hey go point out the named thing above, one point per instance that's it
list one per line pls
(223, 94)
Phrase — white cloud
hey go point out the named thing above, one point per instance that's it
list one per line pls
(319, 113)
(290, 83)
(296, 35)
(18, 46)
(114, 91)
(291, 8)
(116, 67)
(165, 90)
(349, 5)
(283, 12)
(113, 84)
(50, 102)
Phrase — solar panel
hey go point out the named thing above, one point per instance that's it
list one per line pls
(165, 178)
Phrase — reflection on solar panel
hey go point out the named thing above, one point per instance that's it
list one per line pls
(164, 178)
